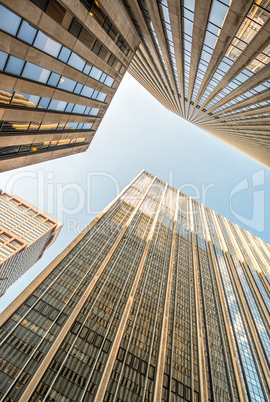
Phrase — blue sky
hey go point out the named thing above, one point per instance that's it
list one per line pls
(138, 133)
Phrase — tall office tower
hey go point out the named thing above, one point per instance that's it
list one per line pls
(59, 70)
(207, 61)
(158, 299)
(25, 233)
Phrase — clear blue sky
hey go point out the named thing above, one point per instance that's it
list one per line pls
(138, 133)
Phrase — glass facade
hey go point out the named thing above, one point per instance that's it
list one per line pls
(160, 299)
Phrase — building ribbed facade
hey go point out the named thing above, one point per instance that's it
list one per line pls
(61, 63)
(59, 69)
(158, 299)
(25, 233)
(208, 61)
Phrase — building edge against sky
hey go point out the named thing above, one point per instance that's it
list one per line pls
(158, 296)
(59, 70)
(25, 234)
(207, 61)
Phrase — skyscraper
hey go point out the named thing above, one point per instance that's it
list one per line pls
(58, 73)
(25, 233)
(159, 298)
(208, 61)
(61, 62)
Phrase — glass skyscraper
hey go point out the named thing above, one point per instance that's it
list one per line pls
(158, 299)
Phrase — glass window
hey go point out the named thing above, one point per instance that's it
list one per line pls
(218, 13)
(44, 43)
(95, 73)
(9, 22)
(71, 126)
(27, 32)
(5, 96)
(44, 102)
(109, 81)
(95, 94)
(101, 97)
(57, 105)
(76, 62)
(78, 88)
(67, 84)
(78, 109)
(87, 126)
(14, 65)
(3, 59)
(64, 54)
(36, 73)
(69, 107)
(54, 79)
(87, 91)
(87, 68)
(94, 111)
(87, 110)
(25, 100)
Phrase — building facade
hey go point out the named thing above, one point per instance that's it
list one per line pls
(61, 63)
(158, 299)
(208, 61)
(59, 69)
(25, 233)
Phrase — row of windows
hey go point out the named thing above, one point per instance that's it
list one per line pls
(43, 146)
(19, 67)
(16, 26)
(105, 22)
(31, 126)
(56, 11)
(11, 98)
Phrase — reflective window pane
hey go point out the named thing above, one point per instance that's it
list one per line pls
(67, 84)
(35, 73)
(101, 97)
(9, 22)
(44, 102)
(78, 109)
(76, 62)
(69, 107)
(44, 43)
(3, 59)
(95, 73)
(64, 54)
(87, 91)
(54, 79)
(27, 32)
(25, 100)
(14, 65)
(78, 88)
(57, 105)
(109, 81)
